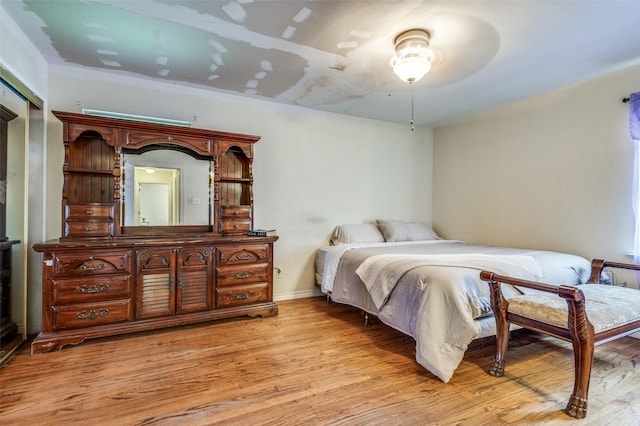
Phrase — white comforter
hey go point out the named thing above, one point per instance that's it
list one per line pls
(446, 315)
(381, 273)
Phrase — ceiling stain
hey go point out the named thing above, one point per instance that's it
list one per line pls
(101, 36)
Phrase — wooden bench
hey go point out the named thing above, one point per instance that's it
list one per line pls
(592, 315)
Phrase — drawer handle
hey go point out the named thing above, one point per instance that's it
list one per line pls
(236, 213)
(92, 314)
(243, 275)
(236, 226)
(242, 296)
(243, 257)
(92, 289)
(89, 212)
(92, 267)
(88, 228)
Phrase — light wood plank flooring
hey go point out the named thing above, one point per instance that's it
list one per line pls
(313, 364)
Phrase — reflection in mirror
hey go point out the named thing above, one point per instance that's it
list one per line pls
(156, 197)
(165, 187)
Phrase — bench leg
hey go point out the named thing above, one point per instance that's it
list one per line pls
(583, 340)
(502, 345)
(499, 306)
(583, 357)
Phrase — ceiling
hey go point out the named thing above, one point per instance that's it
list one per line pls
(333, 55)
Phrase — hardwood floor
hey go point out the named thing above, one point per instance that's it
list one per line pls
(313, 364)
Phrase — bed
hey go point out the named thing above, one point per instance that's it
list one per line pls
(429, 288)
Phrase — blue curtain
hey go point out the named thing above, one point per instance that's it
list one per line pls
(634, 130)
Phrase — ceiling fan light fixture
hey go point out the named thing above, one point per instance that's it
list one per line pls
(413, 56)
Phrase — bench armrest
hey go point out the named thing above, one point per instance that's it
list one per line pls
(597, 265)
(494, 280)
(491, 278)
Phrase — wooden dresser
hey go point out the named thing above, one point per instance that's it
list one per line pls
(106, 277)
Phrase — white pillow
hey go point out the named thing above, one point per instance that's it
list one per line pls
(418, 231)
(357, 233)
(393, 230)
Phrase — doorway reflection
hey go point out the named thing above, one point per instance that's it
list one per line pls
(156, 198)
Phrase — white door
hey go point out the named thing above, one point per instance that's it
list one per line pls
(154, 204)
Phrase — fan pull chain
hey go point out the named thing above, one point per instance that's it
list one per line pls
(411, 84)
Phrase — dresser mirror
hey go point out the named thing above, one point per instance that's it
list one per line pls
(165, 187)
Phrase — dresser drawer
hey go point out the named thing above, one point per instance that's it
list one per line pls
(104, 262)
(238, 212)
(244, 254)
(86, 212)
(242, 295)
(235, 226)
(241, 274)
(92, 228)
(91, 289)
(91, 314)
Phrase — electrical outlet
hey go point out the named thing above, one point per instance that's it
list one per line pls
(279, 272)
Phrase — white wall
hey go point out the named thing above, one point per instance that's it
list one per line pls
(312, 170)
(20, 57)
(553, 172)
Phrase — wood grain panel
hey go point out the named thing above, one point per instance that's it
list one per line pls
(194, 294)
(156, 295)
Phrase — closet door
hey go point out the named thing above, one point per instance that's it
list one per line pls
(14, 200)
(8, 327)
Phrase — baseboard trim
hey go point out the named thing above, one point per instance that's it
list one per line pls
(297, 295)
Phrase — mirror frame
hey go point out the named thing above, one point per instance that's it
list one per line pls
(133, 230)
